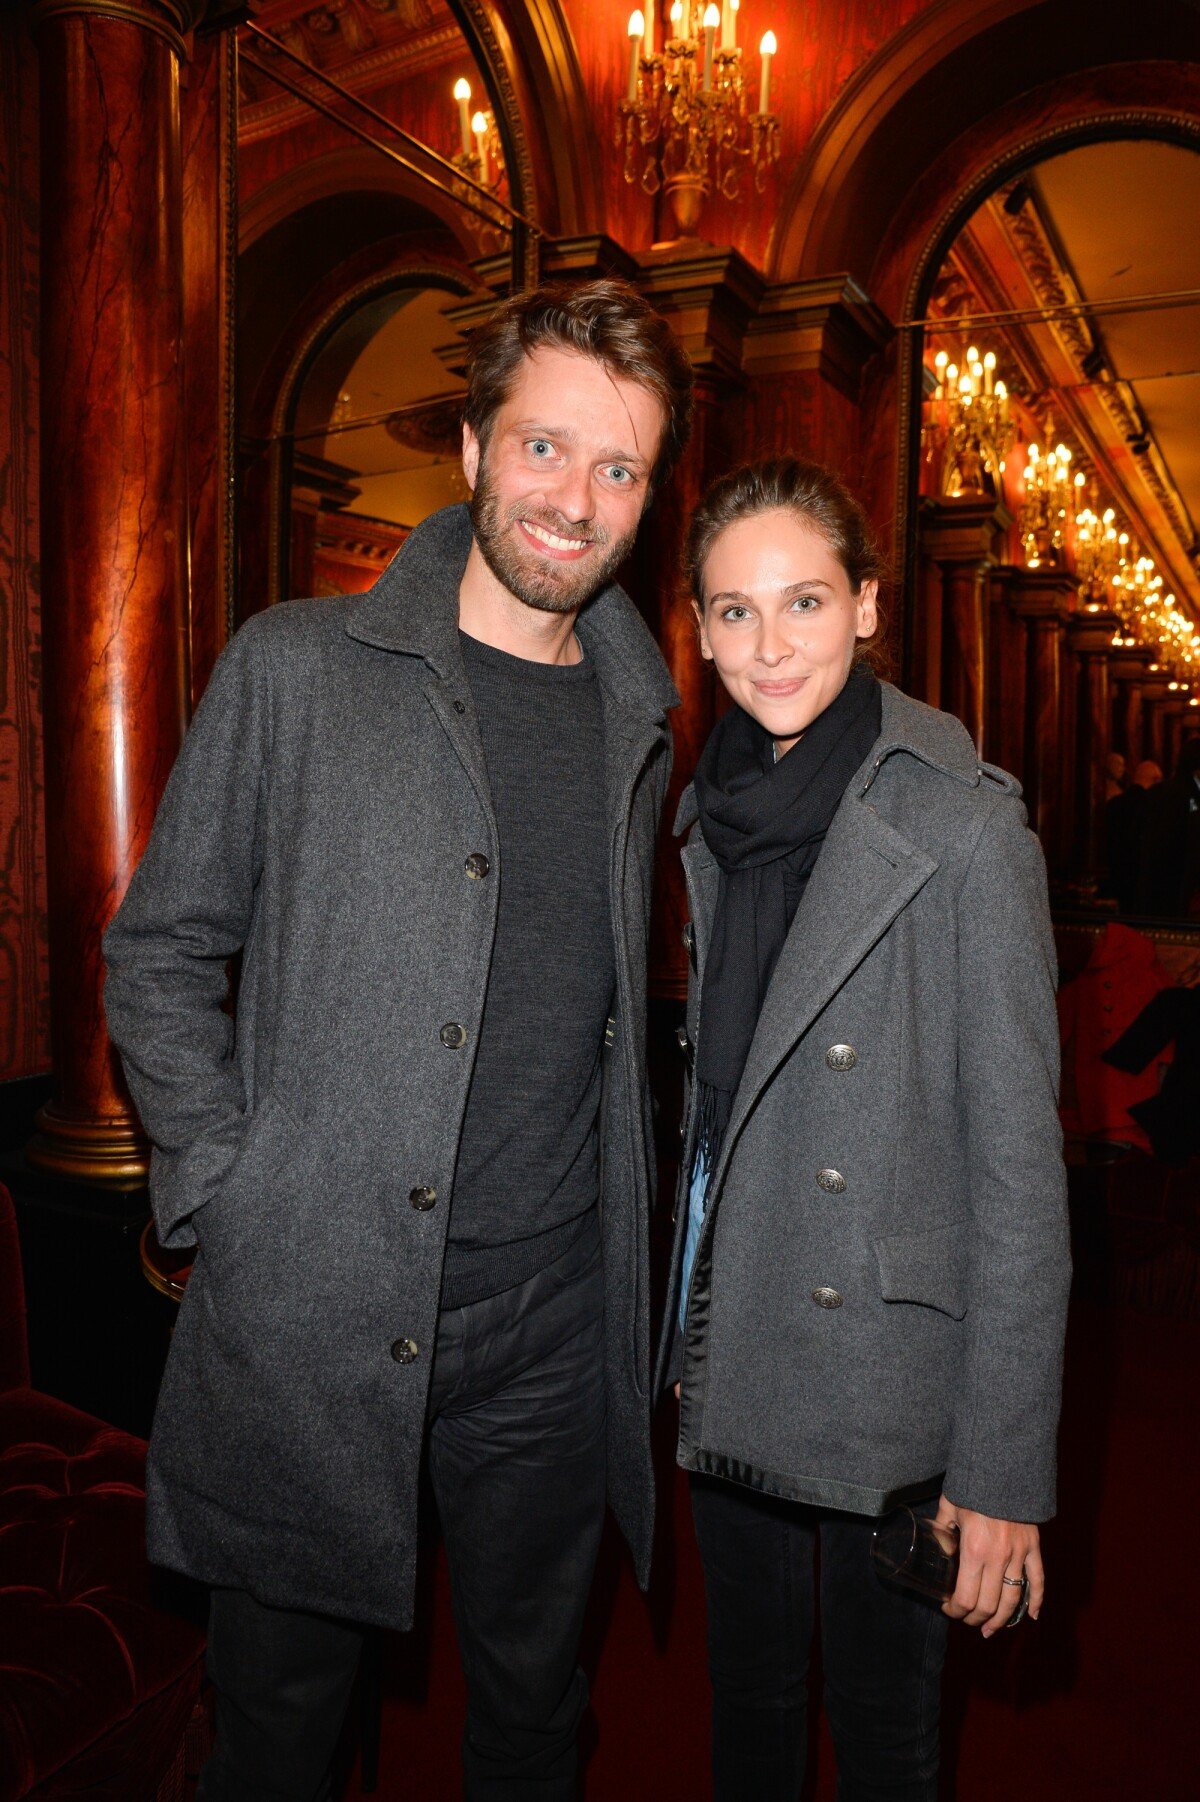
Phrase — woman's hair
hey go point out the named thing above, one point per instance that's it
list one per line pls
(607, 320)
(809, 489)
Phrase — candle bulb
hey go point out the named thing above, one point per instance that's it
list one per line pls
(637, 31)
(479, 127)
(989, 370)
(733, 13)
(712, 19)
(766, 50)
(677, 19)
(462, 93)
(648, 34)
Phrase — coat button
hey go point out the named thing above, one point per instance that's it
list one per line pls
(841, 1057)
(405, 1351)
(689, 939)
(832, 1181)
(453, 1036)
(460, 706)
(827, 1298)
(423, 1198)
(477, 866)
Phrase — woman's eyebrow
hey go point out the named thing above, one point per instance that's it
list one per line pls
(795, 587)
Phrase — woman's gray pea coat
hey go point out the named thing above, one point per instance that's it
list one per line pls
(879, 1295)
(322, 818)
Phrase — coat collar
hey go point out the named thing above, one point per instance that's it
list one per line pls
(413, 608)
(937, 739)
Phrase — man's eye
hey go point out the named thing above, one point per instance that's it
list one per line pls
(540, 445)
(620, 474)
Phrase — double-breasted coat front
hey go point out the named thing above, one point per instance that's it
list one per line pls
(324, 819)
(878, 1296)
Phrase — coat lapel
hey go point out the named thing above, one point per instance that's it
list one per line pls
(866, 875)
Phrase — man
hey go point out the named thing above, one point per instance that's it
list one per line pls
(1124, 824)
(417, 1165)
(1168, 882)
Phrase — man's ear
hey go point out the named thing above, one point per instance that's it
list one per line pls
(470, 456)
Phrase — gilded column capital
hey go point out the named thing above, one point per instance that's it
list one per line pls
(168, 19)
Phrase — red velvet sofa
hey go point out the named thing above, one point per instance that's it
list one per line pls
(97, 1684)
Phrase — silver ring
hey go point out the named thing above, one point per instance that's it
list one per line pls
(1016, 1582)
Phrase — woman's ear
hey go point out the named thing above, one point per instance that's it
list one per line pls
(867, 612)
(705, 648)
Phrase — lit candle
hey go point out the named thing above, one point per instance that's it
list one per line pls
(462, 93)
(712, 19)
(989, 370)
(1002, 397)
(637, 31)
(766, 50)
(479, 127)
(939, 364)
(677, 19)
(648, 46)
(733, 13)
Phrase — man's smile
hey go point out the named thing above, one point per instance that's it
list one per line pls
(567, 549)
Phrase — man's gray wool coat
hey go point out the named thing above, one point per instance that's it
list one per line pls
(319, 820)
(879, 1294)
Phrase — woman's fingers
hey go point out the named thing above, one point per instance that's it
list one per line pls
(1011, 1594)
(677, 1387)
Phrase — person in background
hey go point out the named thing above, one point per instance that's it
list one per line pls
(1168, 883)
(1124, 824)
(1114, 775)
(869, 1282)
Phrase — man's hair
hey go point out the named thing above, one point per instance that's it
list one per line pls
(818, 497)
(606, 320)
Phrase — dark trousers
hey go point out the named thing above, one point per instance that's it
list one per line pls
(516, 1439)
(881, 1650)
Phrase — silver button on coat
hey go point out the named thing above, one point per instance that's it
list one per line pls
(841, 1057)
(832, 1181)
(827, 1298)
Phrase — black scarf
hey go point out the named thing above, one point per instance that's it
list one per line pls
(764, 822)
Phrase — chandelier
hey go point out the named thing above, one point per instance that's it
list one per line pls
(481, 156)
(1100, 550)
(967, 432)
(684, 123)
(1047, 504)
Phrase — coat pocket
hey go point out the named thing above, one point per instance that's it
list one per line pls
(929, 1267)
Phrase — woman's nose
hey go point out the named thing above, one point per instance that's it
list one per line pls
(773, 646)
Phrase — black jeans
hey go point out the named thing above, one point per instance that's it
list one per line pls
(882, 1653)
(516, 1437)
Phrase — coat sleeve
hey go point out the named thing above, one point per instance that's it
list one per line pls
(187, 911)
(1003, 1451)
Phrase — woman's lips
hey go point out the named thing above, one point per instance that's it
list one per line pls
(780, 687)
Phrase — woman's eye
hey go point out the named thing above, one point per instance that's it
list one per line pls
(806, 603)
(733, 613)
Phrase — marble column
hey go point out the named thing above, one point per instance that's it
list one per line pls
(1044, 600)
(959, 533)
(1092, 636)
(114, 519)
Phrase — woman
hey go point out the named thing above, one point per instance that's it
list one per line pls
(871, 1261)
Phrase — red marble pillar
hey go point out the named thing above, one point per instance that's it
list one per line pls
(1043, 599)
(1092, 635)
(114, 520)
(958, 534)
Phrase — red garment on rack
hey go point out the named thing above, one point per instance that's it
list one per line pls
(1121, 976)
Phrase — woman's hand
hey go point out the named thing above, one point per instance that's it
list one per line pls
(988, 1551)
(678, 1386)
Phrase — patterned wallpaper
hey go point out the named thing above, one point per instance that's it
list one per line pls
(24, 1005)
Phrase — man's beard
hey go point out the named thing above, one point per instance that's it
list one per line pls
(543, 582)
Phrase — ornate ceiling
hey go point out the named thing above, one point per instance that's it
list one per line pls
(362, 43)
